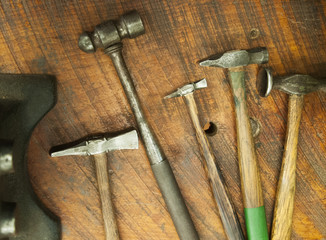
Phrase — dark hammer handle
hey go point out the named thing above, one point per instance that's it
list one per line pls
(174, 201)
(225, 206)
(283, 210)
(160, 166)
(110, 224)
(249, 169)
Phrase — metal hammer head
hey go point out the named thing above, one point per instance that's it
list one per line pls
(237, 58)
(297, 84)
(111, 32)
(188, 88)
(127, 140)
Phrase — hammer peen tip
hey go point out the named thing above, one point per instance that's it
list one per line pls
(85, 43)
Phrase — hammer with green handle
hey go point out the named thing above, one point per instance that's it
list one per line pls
(254, 210)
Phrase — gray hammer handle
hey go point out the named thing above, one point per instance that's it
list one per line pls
(160, 166)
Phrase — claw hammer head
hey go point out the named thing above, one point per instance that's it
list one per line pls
(188, 88)
(296, 84)
(127, 140)
(111, 32)
(237, 58)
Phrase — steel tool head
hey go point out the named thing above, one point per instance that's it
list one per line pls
(188, 88)
(6, 158)
(110, 32)
(297, 84)
(237, 58)
(127, 140)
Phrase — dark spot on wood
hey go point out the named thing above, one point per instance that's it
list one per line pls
(254, 33)
(210, 129)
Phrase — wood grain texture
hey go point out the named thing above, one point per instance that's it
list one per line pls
(248, 165)
(220, 191)
(41, 37)
(284, 202)
(102, 175)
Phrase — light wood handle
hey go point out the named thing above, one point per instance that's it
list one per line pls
(225, 206)
(283, 210)
(249, 171)
(110, 224)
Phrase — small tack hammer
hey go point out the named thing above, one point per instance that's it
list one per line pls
(297, 86)
(225, 206)
(254, 210)
(98, 148)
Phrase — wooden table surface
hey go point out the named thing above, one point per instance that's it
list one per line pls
(41, 37)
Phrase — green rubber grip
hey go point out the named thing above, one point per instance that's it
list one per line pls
(256, 223)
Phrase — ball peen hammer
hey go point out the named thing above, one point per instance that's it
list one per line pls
(225, 206)
(297, 86)
(98, 148)
(108, 36)
(235, 61)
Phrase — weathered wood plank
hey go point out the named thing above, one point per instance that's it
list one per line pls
(41, 37)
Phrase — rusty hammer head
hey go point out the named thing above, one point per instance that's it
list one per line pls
(111, 32)
(296, 84)
(237, 58)
(127, 140)
(188, 88)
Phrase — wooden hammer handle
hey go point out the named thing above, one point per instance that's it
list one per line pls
(110, 224)
(251, 186)
(249, 169)
(283, 210)
(225, 206)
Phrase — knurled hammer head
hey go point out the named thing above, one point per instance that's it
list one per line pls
(237, 58)
(296, 84)
(127, 140)
(188, 88)
(112, 32)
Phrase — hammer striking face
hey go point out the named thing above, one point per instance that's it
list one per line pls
(112, 32)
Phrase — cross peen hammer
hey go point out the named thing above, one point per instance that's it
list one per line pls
(98, 149)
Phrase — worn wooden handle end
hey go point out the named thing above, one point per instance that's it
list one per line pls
(110, 224)
(284, 203)
(222, 197)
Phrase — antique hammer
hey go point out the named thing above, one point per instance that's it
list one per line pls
(297, 86)
(225, 206)
(108, 36)
(252, 194)
(98, 148)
